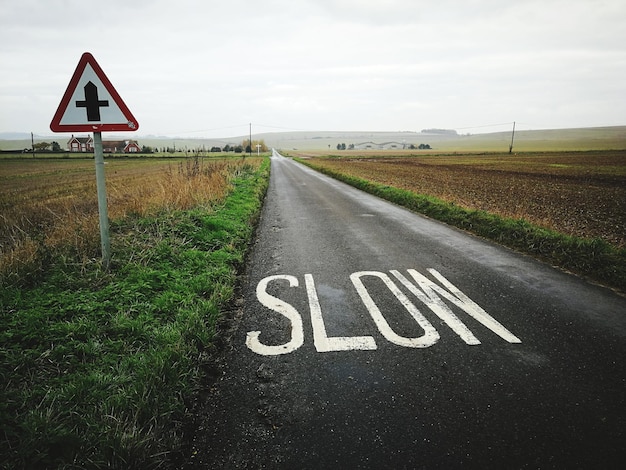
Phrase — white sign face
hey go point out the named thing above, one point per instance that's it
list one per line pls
(90, 103)
(91, 99)
(437, 297)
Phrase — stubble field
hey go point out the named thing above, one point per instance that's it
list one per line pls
(48, 208)
(575, 193)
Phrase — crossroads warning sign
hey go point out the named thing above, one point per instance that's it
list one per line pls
(91, 104)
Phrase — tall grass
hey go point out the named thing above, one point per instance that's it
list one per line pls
(99, 369)
(39, 224)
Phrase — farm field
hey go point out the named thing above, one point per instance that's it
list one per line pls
(590, 138)
(100, 366)
(50, 205)
(575, 193)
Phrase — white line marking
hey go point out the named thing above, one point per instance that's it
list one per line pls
(425, 290)
(433, 302)
(285, 309)
(320, 338)
(430, 335)
(465, 303)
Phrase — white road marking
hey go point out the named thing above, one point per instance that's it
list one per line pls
(434, 303)
(285, 309)
(320, 338)
(465, 303)
(430, 335)
(424, 289)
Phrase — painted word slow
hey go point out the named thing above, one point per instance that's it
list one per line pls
(432, 295)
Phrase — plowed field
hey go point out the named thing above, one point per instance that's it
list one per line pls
(576, 193)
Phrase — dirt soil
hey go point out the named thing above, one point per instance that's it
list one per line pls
(579, 193)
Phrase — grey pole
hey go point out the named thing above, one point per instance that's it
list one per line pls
(512, 137)
(102, 200)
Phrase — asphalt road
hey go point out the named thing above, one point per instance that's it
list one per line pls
(372, 337)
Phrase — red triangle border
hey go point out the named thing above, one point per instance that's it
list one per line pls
(56, 126)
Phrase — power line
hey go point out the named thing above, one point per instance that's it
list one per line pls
(517, 124)
(486, 125)
(212, 129)
(243, 126)
(283, 128)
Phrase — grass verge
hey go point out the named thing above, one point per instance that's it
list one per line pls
(591, 258)
(97, 369)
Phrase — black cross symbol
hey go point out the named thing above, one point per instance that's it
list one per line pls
(92, 103)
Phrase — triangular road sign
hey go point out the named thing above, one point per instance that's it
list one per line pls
(91, 104)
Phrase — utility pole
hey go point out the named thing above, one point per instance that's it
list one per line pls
(250, 139)
(32, 143)
(512, 137)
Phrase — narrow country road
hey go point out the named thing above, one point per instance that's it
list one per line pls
(371, 337)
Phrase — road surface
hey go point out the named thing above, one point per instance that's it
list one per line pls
(372, 337)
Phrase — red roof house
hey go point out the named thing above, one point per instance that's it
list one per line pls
(120, 146)
(80, 144)
(85, 144)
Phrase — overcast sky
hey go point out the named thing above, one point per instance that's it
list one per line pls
(206, 68)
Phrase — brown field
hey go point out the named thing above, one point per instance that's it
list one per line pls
(576, 193)
(50, 206)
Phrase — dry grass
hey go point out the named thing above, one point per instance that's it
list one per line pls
(49, 208)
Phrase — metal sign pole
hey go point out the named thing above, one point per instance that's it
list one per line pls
(84, 115)
(102, 200)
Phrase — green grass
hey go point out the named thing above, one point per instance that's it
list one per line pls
(592, 258)
(98, 369)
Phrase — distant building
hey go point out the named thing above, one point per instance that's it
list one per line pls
(80, 144)
(120, 146)
(380, 146)
(85, 144)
